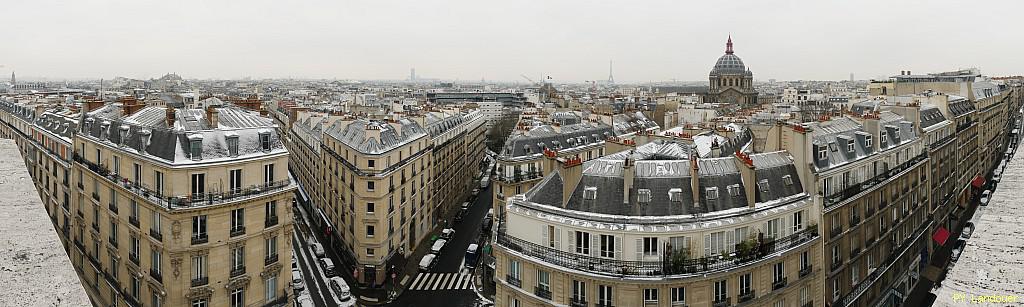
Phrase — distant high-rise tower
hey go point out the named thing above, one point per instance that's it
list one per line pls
(13, 80)
(611, 80)
(412, 74)
(851, 77)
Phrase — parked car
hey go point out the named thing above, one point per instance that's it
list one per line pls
(339, 290)
(427, 262)
(447, 233)
(328, 265)
(295, 262)
(465, 206)
(490, 213)
(485, 182)
(472, 255)
(304, 300)
(985, 196)
(317, 249)
(958, 249)
(438, 245)
(967, 231)
(486, 225)
(297, 282)
(476, 192)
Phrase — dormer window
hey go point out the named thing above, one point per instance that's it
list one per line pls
(104, 129)
(832, 146)
(123, 135)
(265, 141)
(144, 141)
(867, 141)
(590, 193)
(734, 190)
(643, 196)
(788, 180)
(763, 185)
(675, 194)
(711, 193)
(232, 145)
(527, 148)
(822, 153)
(896, 133)
(849, 145)
(195, 147)
(883, 138)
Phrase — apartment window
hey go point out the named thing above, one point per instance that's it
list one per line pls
(552, 236)
(805, 295)
(543, 280)
(835, 289)
(854, 274)
(780, 303)
(883, 138)
(513, 269)
(198, 267)
(604, 295)
(369, 231)
(763, 185)
(235, 180)
(370, 186)
(238, 297)
(369, 252)
(198, 185)
(133, 246)
(199, 229)
(734, 190)
(822, 153)
(678, 296)
(788, 180)
(265, 141)
(113, 232)
(238, 220)
(238, 258)
(268, 174)
(651, 297)
(136, 173)
(270, 245)
(805, 260)
(715, 243)
(155, 300)
(134, 209)
(744, 283)
(721, 291)
(232, 145)
(270, 211)
(583, 243)
(200, 303)
(136, 286)
(896, 133)
(798, 221)
(155, 226)
(778, 272)
(835, 254)
(579, 291)
(608, 246)
(154, 258)
(117, 165)
(512, 302)
(711, 193)
(650, 246)
(675, 194)
(369, 208)
(849, 145)
(643, 195)
(196, 149)
(590, 193)
(867, 141)
(270, 288)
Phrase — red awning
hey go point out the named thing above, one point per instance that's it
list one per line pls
(941, 235)
(978, 181)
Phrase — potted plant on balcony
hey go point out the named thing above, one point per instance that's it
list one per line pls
(746, 250)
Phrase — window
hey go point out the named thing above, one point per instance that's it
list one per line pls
(238, 220)
(543, 280)
(678, 296)
(721, 292)
(369, 208)
(155, 300)
(270, 211)
(270, 246)
(136, 286)
(265, 141)
(763, 185)
(232, 145)
(199, 228)
(113, 232)
(867, 141)
(805, 260)
(154, 258)
(711, 193)
(854, 274)
(780, 303)
(734, 190)
(136, 173)
(608, 246)
(196, 149)
(788, 180)
(370, 186)
(198, 185)
(369, 252)
(883, 138)
(238, 297)
(590, 193)
(117, 165)
(270, 288)
(155, 226)
(370, 163)
(582, 243)
(805, 295)
(715, 243)
(512, 302)
(778, 272)
(651, 296)
(835, 289)
(798, 221)
(849, 145)
(238, 258)
(896, 133)
(198, 267)
(835, 255)
(604, 295)
(643, 195)
(268, 174)
(200, 303)
(744, 283)
(773, 228)
(552, 236)
(579, 291)
(822, 153)
(650, 246)
(369, 231)
(235, 180)
(133, 252)
(675, 194)
(513, 269)
(158, 182)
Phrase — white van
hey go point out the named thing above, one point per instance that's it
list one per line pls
(340, 290)
(328, 266)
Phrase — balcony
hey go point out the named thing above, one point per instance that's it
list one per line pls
(518, 177)
(271, 221)
(200, 281)
(806, 270)
(280, 301)
(749, 295)
(543, 292)
(513, 281)
(835, 232)
(96, 227)
(96, 196)
(112, 207)
(836, 263)
(134, 220)
(270, 260)
(577, 302)
(854, 252)
(200, 239)
(237, 231)
(133, 258)
(621, 268)
(239, 271)
(855, 189)
(112, 242)
(725, 302)
(156, 234)
(854, 220)
(156, 275)
(778, 284)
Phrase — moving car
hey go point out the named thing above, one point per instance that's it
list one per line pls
(317, 249)
(427, 262)
(328, 266)
(297, 282)
(339, 291)
(985, 197)
(472, 255)
(438, 245)
(958, 249)
(967, 231)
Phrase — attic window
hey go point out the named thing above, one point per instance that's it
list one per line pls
(711, 193)
(265, 141)
(763, 185)
(196, 149)
(124, 135)
(867, 141)
(883, 138)
(822, 153)
(896, 133)
(590, 193)
(643, 196)
(143, 141)
(675, 194)
(849, 145)
(788, 180)
(232, 145)
(527, 148)
(104, 129)
(734, 190)
(832, 146)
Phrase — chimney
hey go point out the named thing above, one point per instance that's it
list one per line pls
(748, 176)
(716, 149)
(170, 117)
(571, 172)
(628, 172)
(213, 116)
(695, 178)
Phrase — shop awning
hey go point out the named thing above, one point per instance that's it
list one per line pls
(941, 235)
(978, 181)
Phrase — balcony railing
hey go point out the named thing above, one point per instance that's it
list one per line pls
(96, 196)
(835, 232)
(513, 281)
(806, 270)
(134, 258)
(854, 252)
(239, 271)
(237, 231)
(749, 295)
(184, 201)
(518, 177)
(725, 302)
(112, 207)
(279, 301)
(543, 292)
(853, 190)
(778, 284)
(134, 220)
(156, 275)
(156, 234)
(854, 220)
(668, 265)
(270, 221)
(200, 239)
(577, 302)
(201, 281)
(836, 263)
(112, 242)
(270, 260)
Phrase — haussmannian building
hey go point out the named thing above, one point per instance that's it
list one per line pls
(162, 207)
(658, 226)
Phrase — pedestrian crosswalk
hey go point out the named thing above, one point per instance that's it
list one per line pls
(442, 281)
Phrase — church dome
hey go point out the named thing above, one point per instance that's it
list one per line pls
(729, 63)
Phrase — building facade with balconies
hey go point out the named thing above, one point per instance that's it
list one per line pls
(658, 226)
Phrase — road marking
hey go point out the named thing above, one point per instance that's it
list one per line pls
(416, 282)
(442, 281)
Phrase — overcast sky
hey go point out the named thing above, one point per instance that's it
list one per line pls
(499, 40)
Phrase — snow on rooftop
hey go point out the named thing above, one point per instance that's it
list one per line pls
(36, 270)
(992, 262)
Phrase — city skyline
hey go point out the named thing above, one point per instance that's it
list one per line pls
(569, 41)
